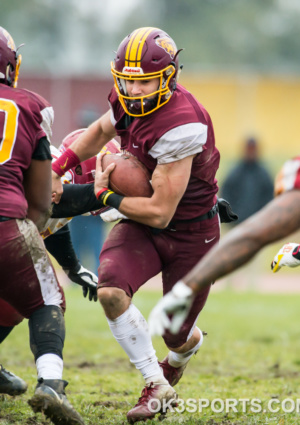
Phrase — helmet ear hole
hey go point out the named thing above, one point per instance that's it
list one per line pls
(78, 170)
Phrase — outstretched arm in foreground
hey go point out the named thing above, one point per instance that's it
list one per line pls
(278, 219)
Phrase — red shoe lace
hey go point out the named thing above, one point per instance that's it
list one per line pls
(146, 392)
(169, 369)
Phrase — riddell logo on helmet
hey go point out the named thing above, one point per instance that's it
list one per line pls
(167, 44)
(132, 70)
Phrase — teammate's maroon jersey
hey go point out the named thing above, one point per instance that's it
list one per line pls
(25, 117)
(180, 128)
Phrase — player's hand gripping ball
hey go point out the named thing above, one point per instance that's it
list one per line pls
(130, 177)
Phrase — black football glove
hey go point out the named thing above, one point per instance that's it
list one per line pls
(85, 278)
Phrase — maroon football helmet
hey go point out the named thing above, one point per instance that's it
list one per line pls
(84, 172)
(145, 54)
(10, 60)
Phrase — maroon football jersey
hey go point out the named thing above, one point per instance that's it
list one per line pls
(25, 117)
(180, 128)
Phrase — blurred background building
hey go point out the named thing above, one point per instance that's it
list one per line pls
(241, 60)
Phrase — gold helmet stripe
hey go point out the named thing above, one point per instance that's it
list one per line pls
(127, 54)
(135, 46)
(141, 45)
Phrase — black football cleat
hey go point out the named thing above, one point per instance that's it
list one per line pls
(50, 398)
(11, 384)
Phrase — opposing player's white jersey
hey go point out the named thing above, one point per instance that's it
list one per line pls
(289, 176)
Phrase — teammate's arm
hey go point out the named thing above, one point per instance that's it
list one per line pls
(37, 184)
(77, 199)
(60, 246)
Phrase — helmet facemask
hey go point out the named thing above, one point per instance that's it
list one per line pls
(18, 64)
(138, 106)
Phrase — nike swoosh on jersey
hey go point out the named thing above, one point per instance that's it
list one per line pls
(209, 240)
(135, 146)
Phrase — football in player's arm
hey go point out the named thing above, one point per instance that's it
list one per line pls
(171, 133)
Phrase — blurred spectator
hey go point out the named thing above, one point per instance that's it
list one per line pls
(248, 186)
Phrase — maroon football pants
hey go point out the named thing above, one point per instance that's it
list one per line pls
(28, 280)
(132, 254)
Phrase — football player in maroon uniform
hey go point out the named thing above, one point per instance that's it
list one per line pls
(58, 242)
(28, 280)
(171, 133)
(278, 219)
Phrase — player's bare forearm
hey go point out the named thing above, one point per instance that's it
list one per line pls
(278, 219)
(94, 138)
(169, 182)
(148, 211)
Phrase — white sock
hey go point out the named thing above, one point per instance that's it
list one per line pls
(49, 366)
(132, 333)
(180, 359)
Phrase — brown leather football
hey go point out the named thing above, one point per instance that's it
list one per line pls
(130, 177)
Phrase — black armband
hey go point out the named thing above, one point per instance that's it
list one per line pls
(77, 199)
(108, 197)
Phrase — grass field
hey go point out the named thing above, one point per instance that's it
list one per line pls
(252, 351)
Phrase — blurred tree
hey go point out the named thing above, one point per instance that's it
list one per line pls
(75, 37)
(235, 34)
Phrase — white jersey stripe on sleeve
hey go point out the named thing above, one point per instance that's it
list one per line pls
(287, 176)
(48, 118)
(180, 142)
